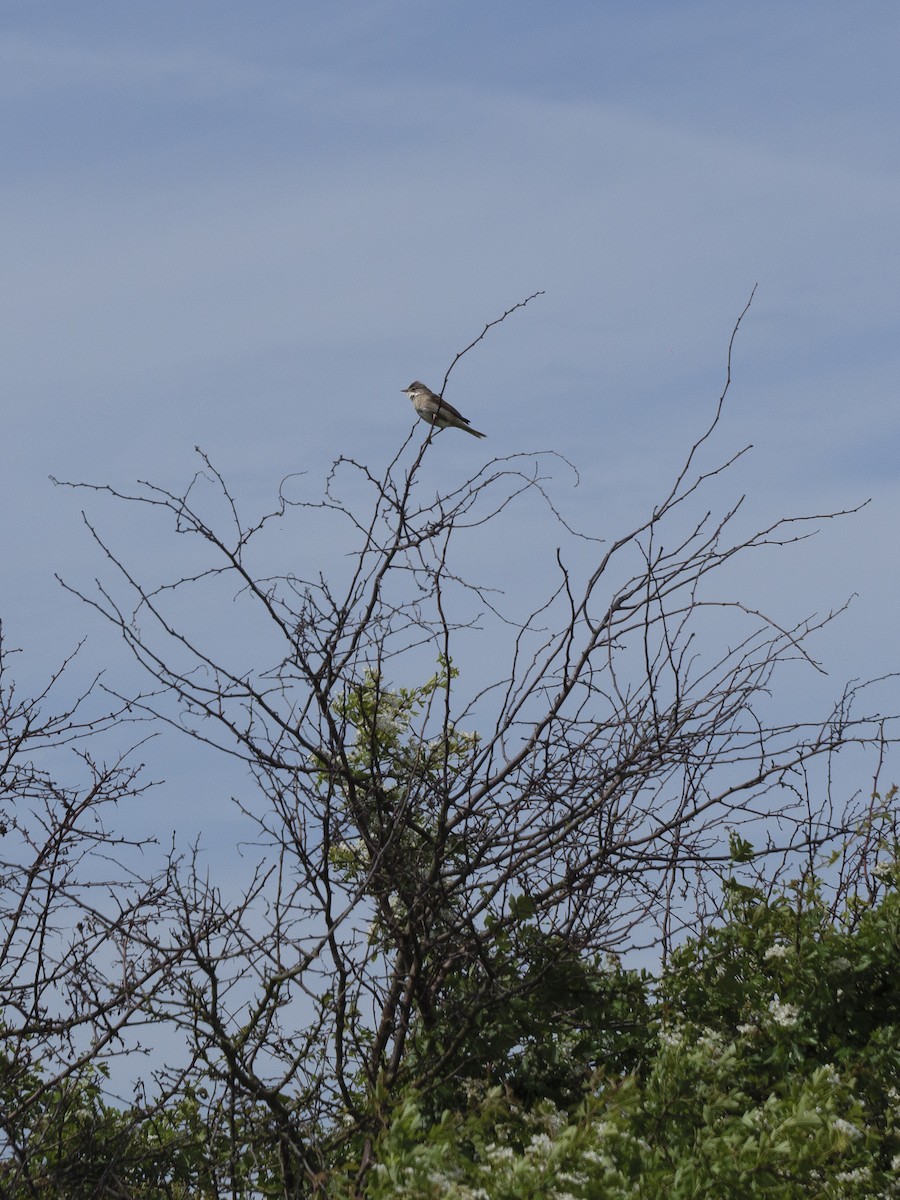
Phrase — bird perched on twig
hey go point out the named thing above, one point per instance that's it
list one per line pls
(436, 411)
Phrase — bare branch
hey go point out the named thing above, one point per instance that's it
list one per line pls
(490, 325)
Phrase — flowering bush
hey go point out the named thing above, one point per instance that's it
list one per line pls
(774, 1074)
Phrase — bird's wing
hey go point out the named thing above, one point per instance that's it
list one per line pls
(450, 410)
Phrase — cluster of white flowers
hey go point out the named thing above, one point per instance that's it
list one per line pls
(349, 850)
(748, 1030)
(776, 951)
(710, 1039)
(539, 1144)
(601, 1130)
(673, 1037)
(847, 1128)
(389, 717)
(859, 1175)
(574, 1177)
(784, 1015)
(465, 740)
(830, 1074)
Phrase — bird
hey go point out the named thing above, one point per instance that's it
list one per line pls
(436, 411)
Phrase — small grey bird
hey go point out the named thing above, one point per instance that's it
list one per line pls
(435, 411)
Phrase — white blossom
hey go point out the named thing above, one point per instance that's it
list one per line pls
(710, 1039)
(845, 1127)
(858, 1175)
(783, 1014)
(539, 1144)
(671, 1037)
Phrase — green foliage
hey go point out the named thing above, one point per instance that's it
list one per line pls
(557, 1019)
(65, 1139)
(773, 1073)
(763, 1063)
(528, 1010)
(688, 1131)
(69, 1141)
(385, 750)
(394, 791)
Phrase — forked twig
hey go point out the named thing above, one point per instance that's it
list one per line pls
(489, 325)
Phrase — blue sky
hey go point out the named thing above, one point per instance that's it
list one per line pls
(249, 227)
